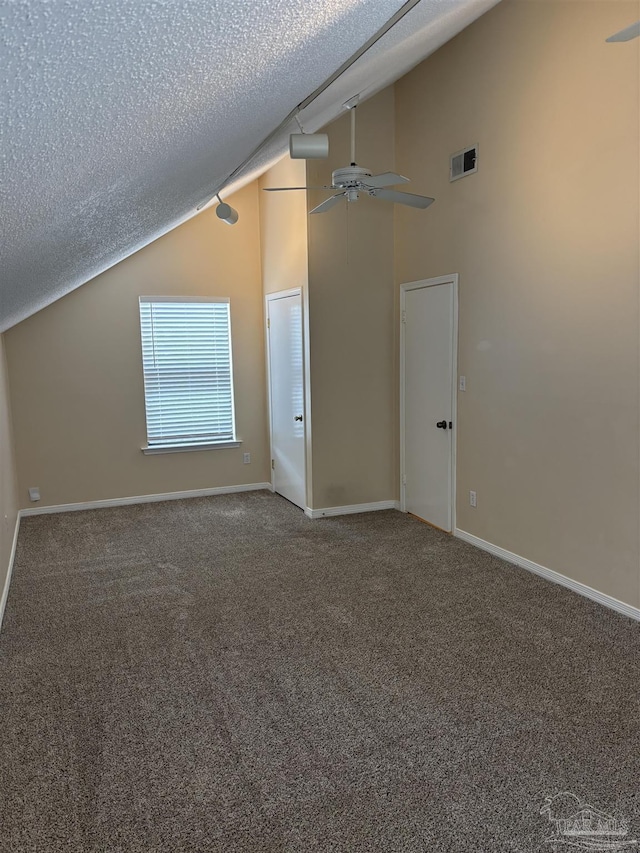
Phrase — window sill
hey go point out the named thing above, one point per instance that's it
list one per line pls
(183, 448)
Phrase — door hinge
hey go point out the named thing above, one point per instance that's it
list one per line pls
(404, 316)
(404, 479)
(273, 463)
(268, 323)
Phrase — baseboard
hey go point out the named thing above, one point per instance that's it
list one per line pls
(12, 556)
(351, 509)
(143, 499)
(551, 575)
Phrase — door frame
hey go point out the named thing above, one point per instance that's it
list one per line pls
(419, 285)
(272, 297)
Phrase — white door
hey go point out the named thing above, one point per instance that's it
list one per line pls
(428, 376)
(286, 381)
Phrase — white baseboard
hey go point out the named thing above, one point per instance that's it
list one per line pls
(551, 575)
(143, 499)
(351, 508)
(12, 556)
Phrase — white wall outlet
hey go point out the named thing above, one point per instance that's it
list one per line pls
(463, 383)
(34, 493)
(246, 458)
(473, 500)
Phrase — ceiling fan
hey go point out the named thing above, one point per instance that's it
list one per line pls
(353, 179)
(628, 33)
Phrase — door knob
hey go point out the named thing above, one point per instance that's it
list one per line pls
(298, 418)
(441, 424)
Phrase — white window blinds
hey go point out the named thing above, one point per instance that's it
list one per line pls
(186, 356)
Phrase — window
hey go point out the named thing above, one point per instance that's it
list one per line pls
(188, 377)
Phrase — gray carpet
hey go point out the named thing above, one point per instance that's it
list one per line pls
(223, 674)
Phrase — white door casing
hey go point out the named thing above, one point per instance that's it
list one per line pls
(287, 394)
(428, 349)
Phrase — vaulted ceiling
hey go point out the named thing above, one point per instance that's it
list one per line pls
(121, 117)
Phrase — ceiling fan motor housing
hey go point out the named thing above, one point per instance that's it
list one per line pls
(350, 176)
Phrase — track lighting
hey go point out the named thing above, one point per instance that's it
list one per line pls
(308, 146)
(225, 212)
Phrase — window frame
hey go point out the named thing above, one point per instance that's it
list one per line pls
(156, 447)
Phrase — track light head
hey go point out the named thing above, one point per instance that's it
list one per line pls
(227, 213)
(308, 146)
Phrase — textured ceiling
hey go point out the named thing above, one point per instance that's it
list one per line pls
(119, 117)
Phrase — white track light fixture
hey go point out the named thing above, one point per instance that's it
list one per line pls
(308, 146)
(227, 213)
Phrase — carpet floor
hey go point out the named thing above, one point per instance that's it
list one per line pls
(224, 674)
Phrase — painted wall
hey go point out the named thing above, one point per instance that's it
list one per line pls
(352, 327)
(8, 484)
(545, 238)
(283, 227)
(285, 261)
(76, 374)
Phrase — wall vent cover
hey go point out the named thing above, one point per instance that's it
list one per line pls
(463, 163)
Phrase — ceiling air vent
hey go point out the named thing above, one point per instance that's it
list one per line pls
(463, 163)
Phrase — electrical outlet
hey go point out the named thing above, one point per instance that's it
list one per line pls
(34, 493)
(463, 383)
(473, 500)
(246, 458)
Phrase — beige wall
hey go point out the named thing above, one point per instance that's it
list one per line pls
(346, 256)
(76, 375)
(283, 227)
(285, 261)
(545, 238)
(8, 485)
(353, 361)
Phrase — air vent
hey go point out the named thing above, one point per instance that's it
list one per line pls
(463, 163)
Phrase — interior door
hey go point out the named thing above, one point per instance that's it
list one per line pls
(286, 379)
(428, 394)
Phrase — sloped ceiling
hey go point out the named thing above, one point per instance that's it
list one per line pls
(121, 117)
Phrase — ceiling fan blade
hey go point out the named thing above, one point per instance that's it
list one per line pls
(286, 189)
(630, 32)
(386, 179)
(411, 199)
(328, 204)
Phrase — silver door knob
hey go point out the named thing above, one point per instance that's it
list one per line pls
(298, 418)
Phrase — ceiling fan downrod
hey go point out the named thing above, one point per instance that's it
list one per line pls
(353, 134)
